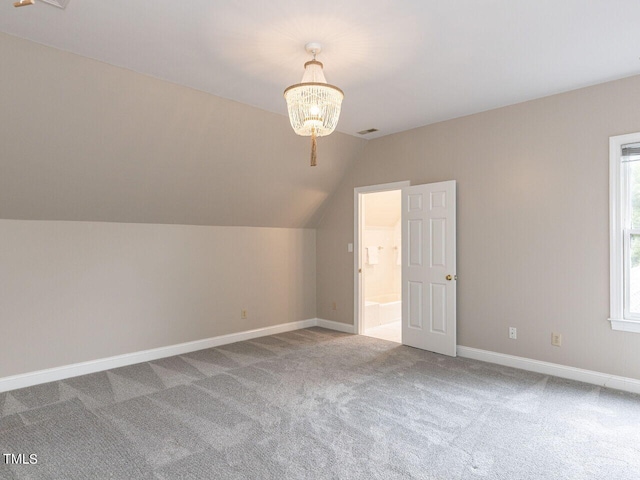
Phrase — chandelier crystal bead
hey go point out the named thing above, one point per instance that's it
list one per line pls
(313, 104)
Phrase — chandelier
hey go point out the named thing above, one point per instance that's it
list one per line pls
(313, 104)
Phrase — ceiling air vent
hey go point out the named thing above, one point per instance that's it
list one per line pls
(365, 132)
(57, 3)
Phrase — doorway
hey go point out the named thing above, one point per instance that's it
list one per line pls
(378, 243)
(423, 253)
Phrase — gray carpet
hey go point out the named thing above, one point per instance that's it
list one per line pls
(319, 404)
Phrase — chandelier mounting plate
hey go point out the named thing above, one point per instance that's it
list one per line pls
(313, 48)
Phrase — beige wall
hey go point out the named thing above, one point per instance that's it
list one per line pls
(78, 291)
(82, 140)
(533, 245)
(86, 141)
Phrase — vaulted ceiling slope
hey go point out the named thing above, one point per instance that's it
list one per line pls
(401, 64)
(83, 140)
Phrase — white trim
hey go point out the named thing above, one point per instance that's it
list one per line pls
(338, 326)
(587, 376)
(60, 373)
(615, 230)
(625, 325)
(358, 218)
(619, 316)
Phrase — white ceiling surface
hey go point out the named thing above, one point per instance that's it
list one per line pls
(401, 64)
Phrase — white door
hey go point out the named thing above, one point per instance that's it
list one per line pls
(429, 267)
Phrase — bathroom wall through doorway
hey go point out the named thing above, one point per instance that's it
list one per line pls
(378, 254)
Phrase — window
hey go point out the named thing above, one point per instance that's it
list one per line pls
(624, 223)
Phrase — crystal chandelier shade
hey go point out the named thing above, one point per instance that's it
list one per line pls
(313, 104)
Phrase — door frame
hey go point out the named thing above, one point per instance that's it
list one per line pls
(358, 227)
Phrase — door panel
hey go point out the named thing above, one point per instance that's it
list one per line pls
(415, 243)
(438, 308)
(438, 240)
(429, 288)
(414, 300)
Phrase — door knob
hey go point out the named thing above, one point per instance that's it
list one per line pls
(449, 277)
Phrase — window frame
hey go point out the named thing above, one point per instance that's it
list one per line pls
(620, 236)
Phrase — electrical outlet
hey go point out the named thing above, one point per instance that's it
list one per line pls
(333, 306)
(556, 339)
(513, 333)
(243, 313)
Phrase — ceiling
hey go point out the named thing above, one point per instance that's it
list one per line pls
(401, 64)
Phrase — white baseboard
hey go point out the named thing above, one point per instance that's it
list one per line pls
(74, 370)
(331, 325)
(587, 376)
(60, 373)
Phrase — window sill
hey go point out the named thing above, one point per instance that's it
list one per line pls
(625, 325)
